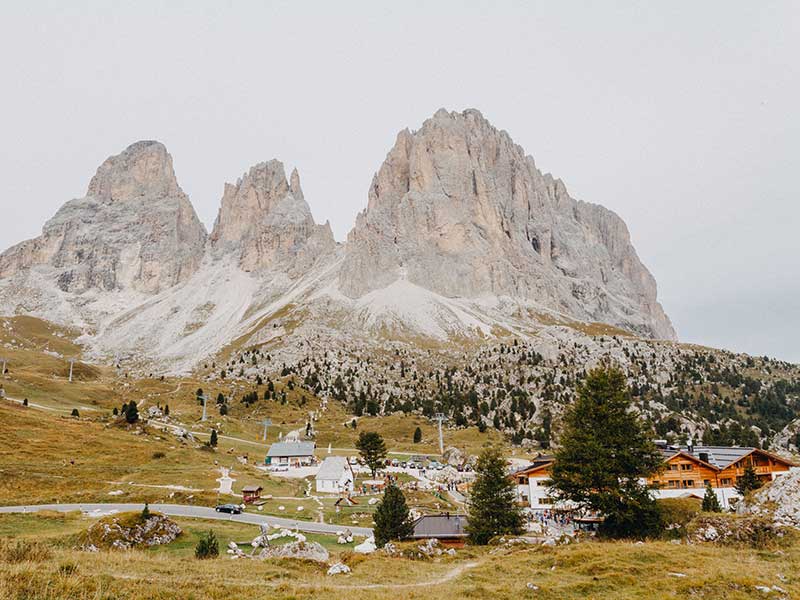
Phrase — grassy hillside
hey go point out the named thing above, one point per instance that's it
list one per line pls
(591, 570)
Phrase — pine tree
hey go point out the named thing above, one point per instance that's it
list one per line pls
(132, 412)
(710, 500)
(492, 505)
(372, 449)
(166, 410)
(213, 441)
(115, 412)
(748, 481)
(417, 435)
(74, 413)
(605, 451)
(392, 521)
(145, 512)
(25, 402)
(207, 546)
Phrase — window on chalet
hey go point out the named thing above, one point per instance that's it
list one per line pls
(687, 483)
(686, 467)
(523, 481)
(726, 482)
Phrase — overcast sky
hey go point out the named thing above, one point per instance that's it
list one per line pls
(683, 117)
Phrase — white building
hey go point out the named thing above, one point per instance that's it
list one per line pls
(290, 454)
(335, 476)
(532, 484)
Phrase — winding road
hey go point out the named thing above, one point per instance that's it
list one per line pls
(193, 512)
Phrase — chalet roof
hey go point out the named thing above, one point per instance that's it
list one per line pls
(333, 467)
(540, 461)
(720, 457)
(291, 449)
(252, 488)
(440, 526)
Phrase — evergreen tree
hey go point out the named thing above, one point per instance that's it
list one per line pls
(74, 413)
(145, 512)
(166, 410)
(372, 449)
(132, 412)
(213, 440)
(115, 412)
(417, 435)
(710, 500)
(207, 546)
(25, 402)
(392, 521)
(604, 452)
(748, 481)
(492, 505)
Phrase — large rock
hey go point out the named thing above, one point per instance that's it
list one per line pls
(459, 209)
(779, 500)
(302, 550)
(134, 230)
(128, 530)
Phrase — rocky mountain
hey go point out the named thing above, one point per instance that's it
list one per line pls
(134, 229)
(472, 285)
(462, 238)
(459, 209)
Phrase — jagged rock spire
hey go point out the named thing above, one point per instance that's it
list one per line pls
(266, 220)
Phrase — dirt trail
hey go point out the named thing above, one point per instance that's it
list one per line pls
(450, 575)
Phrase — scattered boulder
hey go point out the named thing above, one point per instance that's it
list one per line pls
(366, 547)
(748, 530)
(338, 569)
(129, 530)
(453, 456)
(302, 550)
(779, 501)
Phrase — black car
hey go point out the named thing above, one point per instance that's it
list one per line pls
(233, 509)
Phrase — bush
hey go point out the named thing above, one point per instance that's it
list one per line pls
(207, 546)
(676, 514)
(157, 455)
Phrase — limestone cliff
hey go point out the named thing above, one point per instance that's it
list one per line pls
(135, 229)
(459, 209)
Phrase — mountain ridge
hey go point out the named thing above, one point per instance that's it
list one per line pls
(462, 237)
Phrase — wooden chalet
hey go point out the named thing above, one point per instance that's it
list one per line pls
(687, 471)
(251, 493)
(691, 467)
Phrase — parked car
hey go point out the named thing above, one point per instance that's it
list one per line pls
(233, 509)
(403, 464)
(468, 468)
(353, 460)
(395, 462)
(460, 468)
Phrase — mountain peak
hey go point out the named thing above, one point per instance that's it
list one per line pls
(264, 218)
(459, 209)
(143, 169)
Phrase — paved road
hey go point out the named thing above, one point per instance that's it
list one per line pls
(196, 512)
